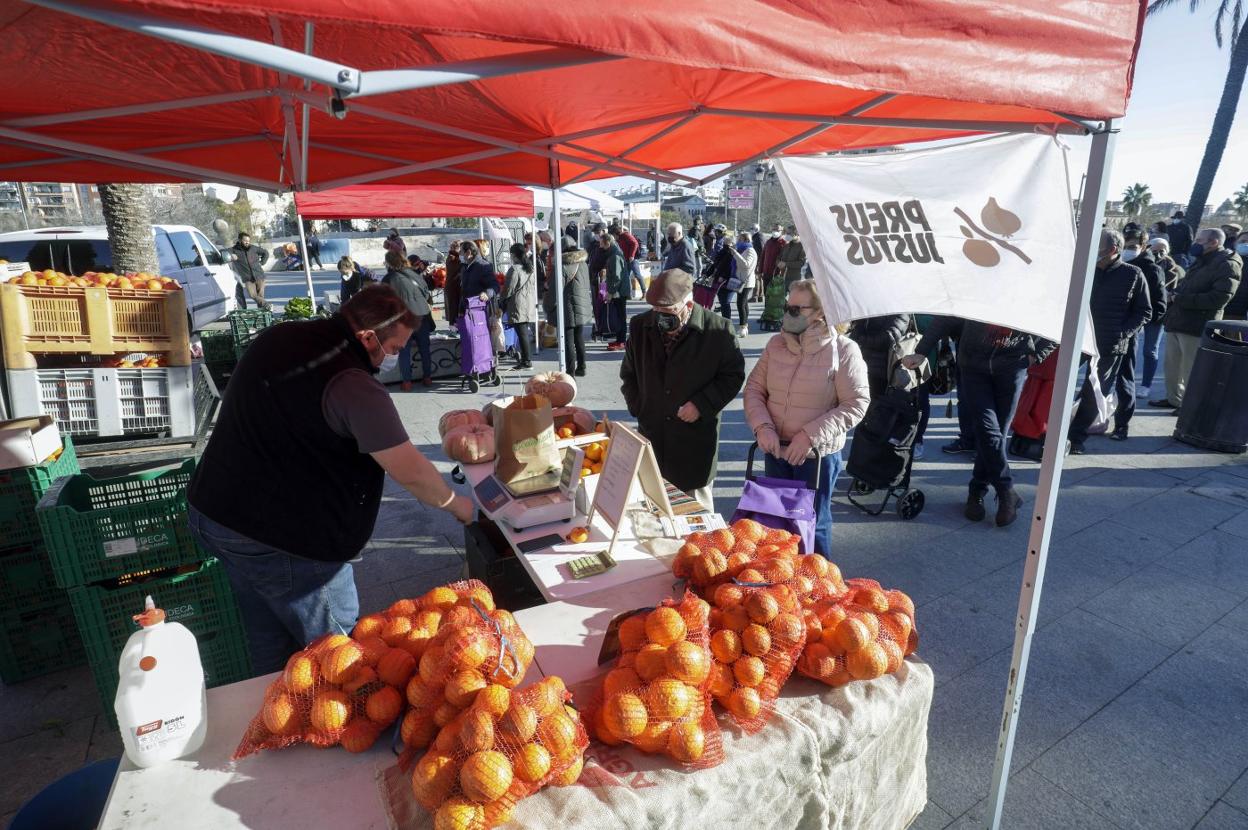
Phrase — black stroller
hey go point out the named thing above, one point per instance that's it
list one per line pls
(882, 454)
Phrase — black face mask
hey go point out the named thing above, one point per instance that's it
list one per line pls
(667, 323)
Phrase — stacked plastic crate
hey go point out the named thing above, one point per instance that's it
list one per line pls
(112, 542)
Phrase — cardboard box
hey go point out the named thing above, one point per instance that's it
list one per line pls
(26, 442)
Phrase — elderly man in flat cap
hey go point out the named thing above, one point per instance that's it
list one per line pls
(682, 366)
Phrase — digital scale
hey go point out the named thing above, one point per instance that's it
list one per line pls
(536, 501)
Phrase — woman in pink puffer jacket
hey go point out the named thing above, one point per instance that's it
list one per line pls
(808, 389)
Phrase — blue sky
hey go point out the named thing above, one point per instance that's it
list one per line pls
(1178, 82)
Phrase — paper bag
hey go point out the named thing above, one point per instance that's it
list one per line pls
(524, 437)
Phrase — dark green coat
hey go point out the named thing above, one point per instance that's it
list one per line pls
(1209, 285)
(706, 367)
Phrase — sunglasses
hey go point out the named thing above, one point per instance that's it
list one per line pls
(796, 310)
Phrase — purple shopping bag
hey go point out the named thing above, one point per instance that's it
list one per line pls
(782, 504)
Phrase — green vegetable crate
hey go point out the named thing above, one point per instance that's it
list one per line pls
(197, 596)
(20, 490)
(99, 529)
(245, 324)
(36, 638)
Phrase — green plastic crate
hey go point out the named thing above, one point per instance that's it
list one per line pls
(26, 575)
(245, 324)
(98, 529)
(199, 597)
(218, 345)
(36, 638)
(20, 490)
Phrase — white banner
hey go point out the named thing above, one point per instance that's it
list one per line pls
(643, 211)
(980, 230)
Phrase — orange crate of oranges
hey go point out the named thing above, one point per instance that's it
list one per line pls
(49, 313)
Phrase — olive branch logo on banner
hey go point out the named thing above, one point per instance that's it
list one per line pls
(999, 221)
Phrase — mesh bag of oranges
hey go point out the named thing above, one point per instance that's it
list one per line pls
(503, 748)
(335, 691)
(478, 649)
(861, 635)
(757, 634)
(658, 696)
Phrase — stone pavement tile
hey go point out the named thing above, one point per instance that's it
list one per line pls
(374, 596)
(105, 741)
(932, 818)
(1237, 525)
(1223, 817)
(1214, 558)
(1218, 484)
(1177, 460)
(27, 707)
(414, 586)
(1208, 677)
(1032, 802)
(983, 544)
(1237, 795)
(922, 573)
(1162, 605)
(1176, 515)
(955, 636)
(1145, 763)
(39, 758)
(1237, 618)
(387, 564)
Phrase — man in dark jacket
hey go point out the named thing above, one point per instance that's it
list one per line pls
(876, 337)
(248, 266)
(681, 367)
(771, 253)
(1120, 306)
(629, 246)
(314, 249)
(1138, 254)
(1180, 238)
(992, 366)
(1237, 308)
(681, 252)
(1208, 286)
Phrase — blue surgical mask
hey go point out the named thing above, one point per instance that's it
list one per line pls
(1242, 248)
(743, 246)
(1197, 250)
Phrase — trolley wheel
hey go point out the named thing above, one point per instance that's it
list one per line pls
(910, 504)
(860, 488)
(474, 385)
(495, 380)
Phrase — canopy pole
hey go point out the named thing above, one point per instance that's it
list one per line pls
(303, 135)
(1087, 243)
(658, 226)
(307, 270)
(556, 233)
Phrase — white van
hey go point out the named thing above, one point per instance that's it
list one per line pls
(182, 251)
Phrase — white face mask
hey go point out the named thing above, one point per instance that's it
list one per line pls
(1129, 254)
(465, 258)
(389, 363)
(788, 237)
(775, 234)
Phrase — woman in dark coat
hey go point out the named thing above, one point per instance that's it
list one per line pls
(578, 308)
(875, 337)
(414, 291)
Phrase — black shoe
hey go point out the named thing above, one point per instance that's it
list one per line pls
(1077, 448)
(580, 371)
(1008, 503)
(975, 507)
(957, 446)
(1119, 434)
(1162, 403)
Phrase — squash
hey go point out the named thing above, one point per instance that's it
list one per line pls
(469, 444)
(558, 387)
(581, 419)
(458, 418)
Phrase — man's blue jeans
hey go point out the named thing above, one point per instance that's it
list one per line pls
(1152, 351)
(286, 602)
(421, 338)
(829, 467)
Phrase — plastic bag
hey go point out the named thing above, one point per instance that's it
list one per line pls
(862, 635)
(658, 696)
(502, 749)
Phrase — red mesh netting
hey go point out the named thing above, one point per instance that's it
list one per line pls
(860, 636)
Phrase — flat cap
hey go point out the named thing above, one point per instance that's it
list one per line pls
(670, 287)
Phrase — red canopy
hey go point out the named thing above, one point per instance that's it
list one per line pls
(409, 201)
(472, 92)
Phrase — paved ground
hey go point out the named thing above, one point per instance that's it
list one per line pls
(1135, 712)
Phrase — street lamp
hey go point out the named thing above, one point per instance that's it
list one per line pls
(760, 175)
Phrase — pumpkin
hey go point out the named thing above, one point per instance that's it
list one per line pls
(458, 418)
(583, 419)
(470, 444)
(487, 411)
(558, 387)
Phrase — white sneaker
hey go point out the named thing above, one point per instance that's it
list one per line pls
(918, 450)
(742, 331)
(1142, 392)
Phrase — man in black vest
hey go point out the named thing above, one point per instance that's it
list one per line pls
(288, 488)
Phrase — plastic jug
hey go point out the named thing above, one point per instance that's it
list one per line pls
(161, 699)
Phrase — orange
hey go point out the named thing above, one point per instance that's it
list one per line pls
(415, 642)
(330, 711)
(494, 699)
(912, 644)
(469, 648)
(279, 714)
(896, 626)
(422, 695)
(504, 619)
(686, 742)
(459, 814)
(722, 539)
(819, 661)
(341, 664)
(744, 703)
(547, 696)
(898, 601)
(715, 619)
(682, 564)
(829, 639)
(712, 564)
(570, 775)
(362, 678)
(442, 597)
(873, 599)
(432, 779)
(301, 674)
(787, 630)
(721, 680)
(520, 722)
(620, 680)
(633, 632)
(485, 776)
(728, 594)
(738, 559)
(852, 634)
(558, 734)
(748, 529)
(577, 535)
(374, 649)
(868, 662)
(427, 618)
(750, 575)
(831, 616)
(668, 699)
(652, 661)
(815, 565)
(445, 713)
(417, 730)
(369, 626)
(481, 596)
(395, 667)
(532, 763)
(401, 608)
(688, 662)
(625, 715)
(803, 585)
(756, 640)
(654, 737)
(447, 739)
(778, 570)
(813, 626)
(871, 621)
(359, 735)
(602, 732)
(748, 670)
(894, 653)
(395, 630)
(384, 705)
(462, 688)
(735, 618)
(726, 645)
(476, 732)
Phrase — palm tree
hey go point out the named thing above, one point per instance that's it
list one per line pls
(128, 219)
(1231, 89)
(1136, 199)
(1240, 202)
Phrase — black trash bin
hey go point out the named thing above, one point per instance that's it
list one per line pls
(1214, 414)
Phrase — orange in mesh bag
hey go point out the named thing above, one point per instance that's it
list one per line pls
(658, 696)
(498, 752)
(862, 635)
(332, 692)
(755, 645)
